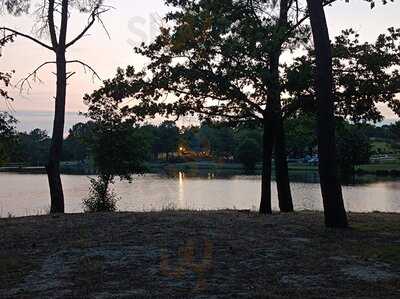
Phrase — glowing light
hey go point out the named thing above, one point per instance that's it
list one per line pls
(180, 190)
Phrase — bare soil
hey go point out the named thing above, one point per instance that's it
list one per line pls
(181, 254)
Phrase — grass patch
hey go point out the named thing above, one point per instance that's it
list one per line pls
(382, 147)
(90, 274)
(13, 269)
(377, 226)
(386, 253)
(379, 167)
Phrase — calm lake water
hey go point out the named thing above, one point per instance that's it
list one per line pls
(25, 194)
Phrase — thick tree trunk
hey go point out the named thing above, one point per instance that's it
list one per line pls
(53, 166)
(266, 200)
(335, 214)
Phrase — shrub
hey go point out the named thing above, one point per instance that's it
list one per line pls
(118, 150)
(100, 198)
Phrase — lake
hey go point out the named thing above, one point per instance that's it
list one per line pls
(27, 194)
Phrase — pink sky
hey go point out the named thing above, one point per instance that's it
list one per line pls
(133, 22)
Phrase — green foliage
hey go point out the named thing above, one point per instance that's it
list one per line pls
(220, 138)
(395, 131)
(7, 136)
(354, 148)
(32, 147)
(382, 147)
(168, 134)
(100, 198)
(213, 56)
(300, 135)
(364, 74)
(248, 152)
(119, 150)
(76, 147)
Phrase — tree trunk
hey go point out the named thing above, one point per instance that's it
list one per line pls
(281, 165)
(335, 214)
(281, 168)
(274, 131)
(53, 166)
(266, 201)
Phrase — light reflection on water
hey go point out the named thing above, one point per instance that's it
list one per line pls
(25, 194)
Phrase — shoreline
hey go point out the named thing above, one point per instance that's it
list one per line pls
(378, 170)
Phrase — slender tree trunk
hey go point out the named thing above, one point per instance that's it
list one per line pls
(281, 168)
(274, 132)
(53, 166)
(266, 200)
(335, 214)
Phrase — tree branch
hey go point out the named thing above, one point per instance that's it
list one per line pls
(52, 30)
(95, 14)
(28, 37)
(64, 23)
(85, 65)
(304, 18)
(33, 74)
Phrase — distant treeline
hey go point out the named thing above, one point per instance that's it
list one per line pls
(212, 141)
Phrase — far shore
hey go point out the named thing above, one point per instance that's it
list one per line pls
(204, 167)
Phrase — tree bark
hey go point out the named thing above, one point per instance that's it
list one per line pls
(274, 135)
(281, 167)
(335, 214)
(53, 166)
(266, 200)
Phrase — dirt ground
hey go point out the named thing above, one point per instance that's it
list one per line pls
(180, 254)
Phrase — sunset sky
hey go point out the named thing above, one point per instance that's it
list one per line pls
(130, 23)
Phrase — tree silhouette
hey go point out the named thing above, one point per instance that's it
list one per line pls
(335, 214)
(365, 74)
(221, 66)
(48, 12)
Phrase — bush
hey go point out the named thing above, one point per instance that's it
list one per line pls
(118, 150)
(101, 198)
